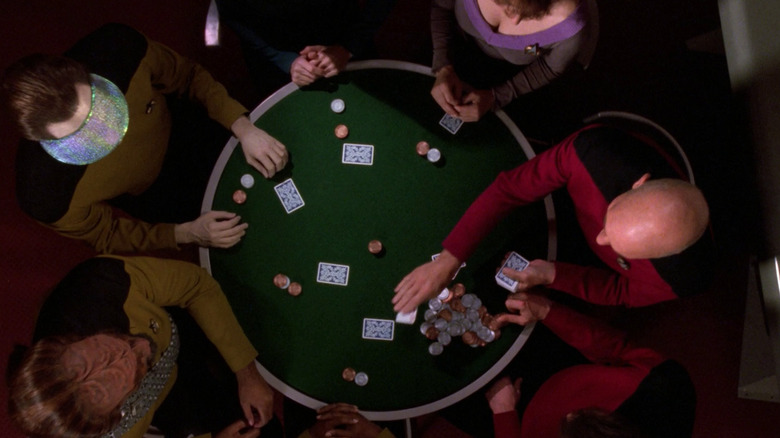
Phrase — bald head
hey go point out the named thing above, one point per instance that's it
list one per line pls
(655, 219)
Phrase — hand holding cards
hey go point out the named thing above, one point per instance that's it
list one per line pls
(516, 262)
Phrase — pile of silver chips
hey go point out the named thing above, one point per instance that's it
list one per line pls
(456, 313)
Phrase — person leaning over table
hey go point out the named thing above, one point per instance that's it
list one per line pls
(486, 53)
(650, 233)
(624, 391)
(100, 124)
(107, 358)
(304, 40)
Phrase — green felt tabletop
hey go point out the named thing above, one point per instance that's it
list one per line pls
(401, 199)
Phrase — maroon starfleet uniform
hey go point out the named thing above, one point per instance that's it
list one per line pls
(595, 165)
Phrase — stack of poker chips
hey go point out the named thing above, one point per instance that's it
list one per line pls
(455, 313)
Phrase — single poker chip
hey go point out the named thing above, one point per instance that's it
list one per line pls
(375, 247)
(247, 181)
(281, 281)
(361, 379)
(337, 105)
(436, 348)
(294, 289)
(422, 148)
(341, 131)
(433, 155)
(444, 338)
(458, 289)
(239, 196)
(432, 333)
(348, 374)
(470, 338)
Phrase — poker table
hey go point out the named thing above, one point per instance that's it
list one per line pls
(400, 199)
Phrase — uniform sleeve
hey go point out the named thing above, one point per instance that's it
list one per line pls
(167, 282)
(597, 341)
(547, 67)
(442, 28)
(173, 73)
(527, 183)
(109, 231)
(506, 425)
(607, 287)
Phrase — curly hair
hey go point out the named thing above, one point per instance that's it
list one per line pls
(41, 89)
(45, 399)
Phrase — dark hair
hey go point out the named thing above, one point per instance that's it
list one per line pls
(44, 397)
(41, 89)
(597, 423)
(533, 9)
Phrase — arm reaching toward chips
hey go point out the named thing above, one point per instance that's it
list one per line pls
(262, 151)
(425, 282)
(218, 229)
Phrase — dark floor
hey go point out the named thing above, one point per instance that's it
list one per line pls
(641, 65)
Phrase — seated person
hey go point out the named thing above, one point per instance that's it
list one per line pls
(344, 420)
(303, 40)
(104, 125)
(624, 389)
(106, 355)
(650, 233)
(487, 53)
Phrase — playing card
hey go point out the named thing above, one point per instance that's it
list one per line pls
(289, 195)
(332, 273)
(380, 329)
(514, 261)
(462, 265)
(406, 317)
(357, 154)
(451, 124)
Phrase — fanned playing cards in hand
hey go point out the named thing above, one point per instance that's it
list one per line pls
(516, 262)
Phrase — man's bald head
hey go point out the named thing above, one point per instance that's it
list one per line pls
(656, 218)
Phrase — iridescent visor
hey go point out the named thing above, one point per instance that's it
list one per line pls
(102, 130)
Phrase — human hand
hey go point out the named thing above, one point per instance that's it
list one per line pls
(331, 60)
(447, 90)
(304, 71)
(425, 281)
(262, 151)
(529, 307)
(256, 397)
(537, 273)
(218, 229)
(343, 420)
(503, 395)
(475, 104)
(239, 429)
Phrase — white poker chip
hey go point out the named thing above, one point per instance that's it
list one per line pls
(361, 379)
(433, 155)
(247, 181)
(337, 105)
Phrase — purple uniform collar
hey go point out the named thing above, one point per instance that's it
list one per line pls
(561, 31)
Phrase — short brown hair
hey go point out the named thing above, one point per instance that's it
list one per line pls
(44, 397)
(41, 89)
(533, 9)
